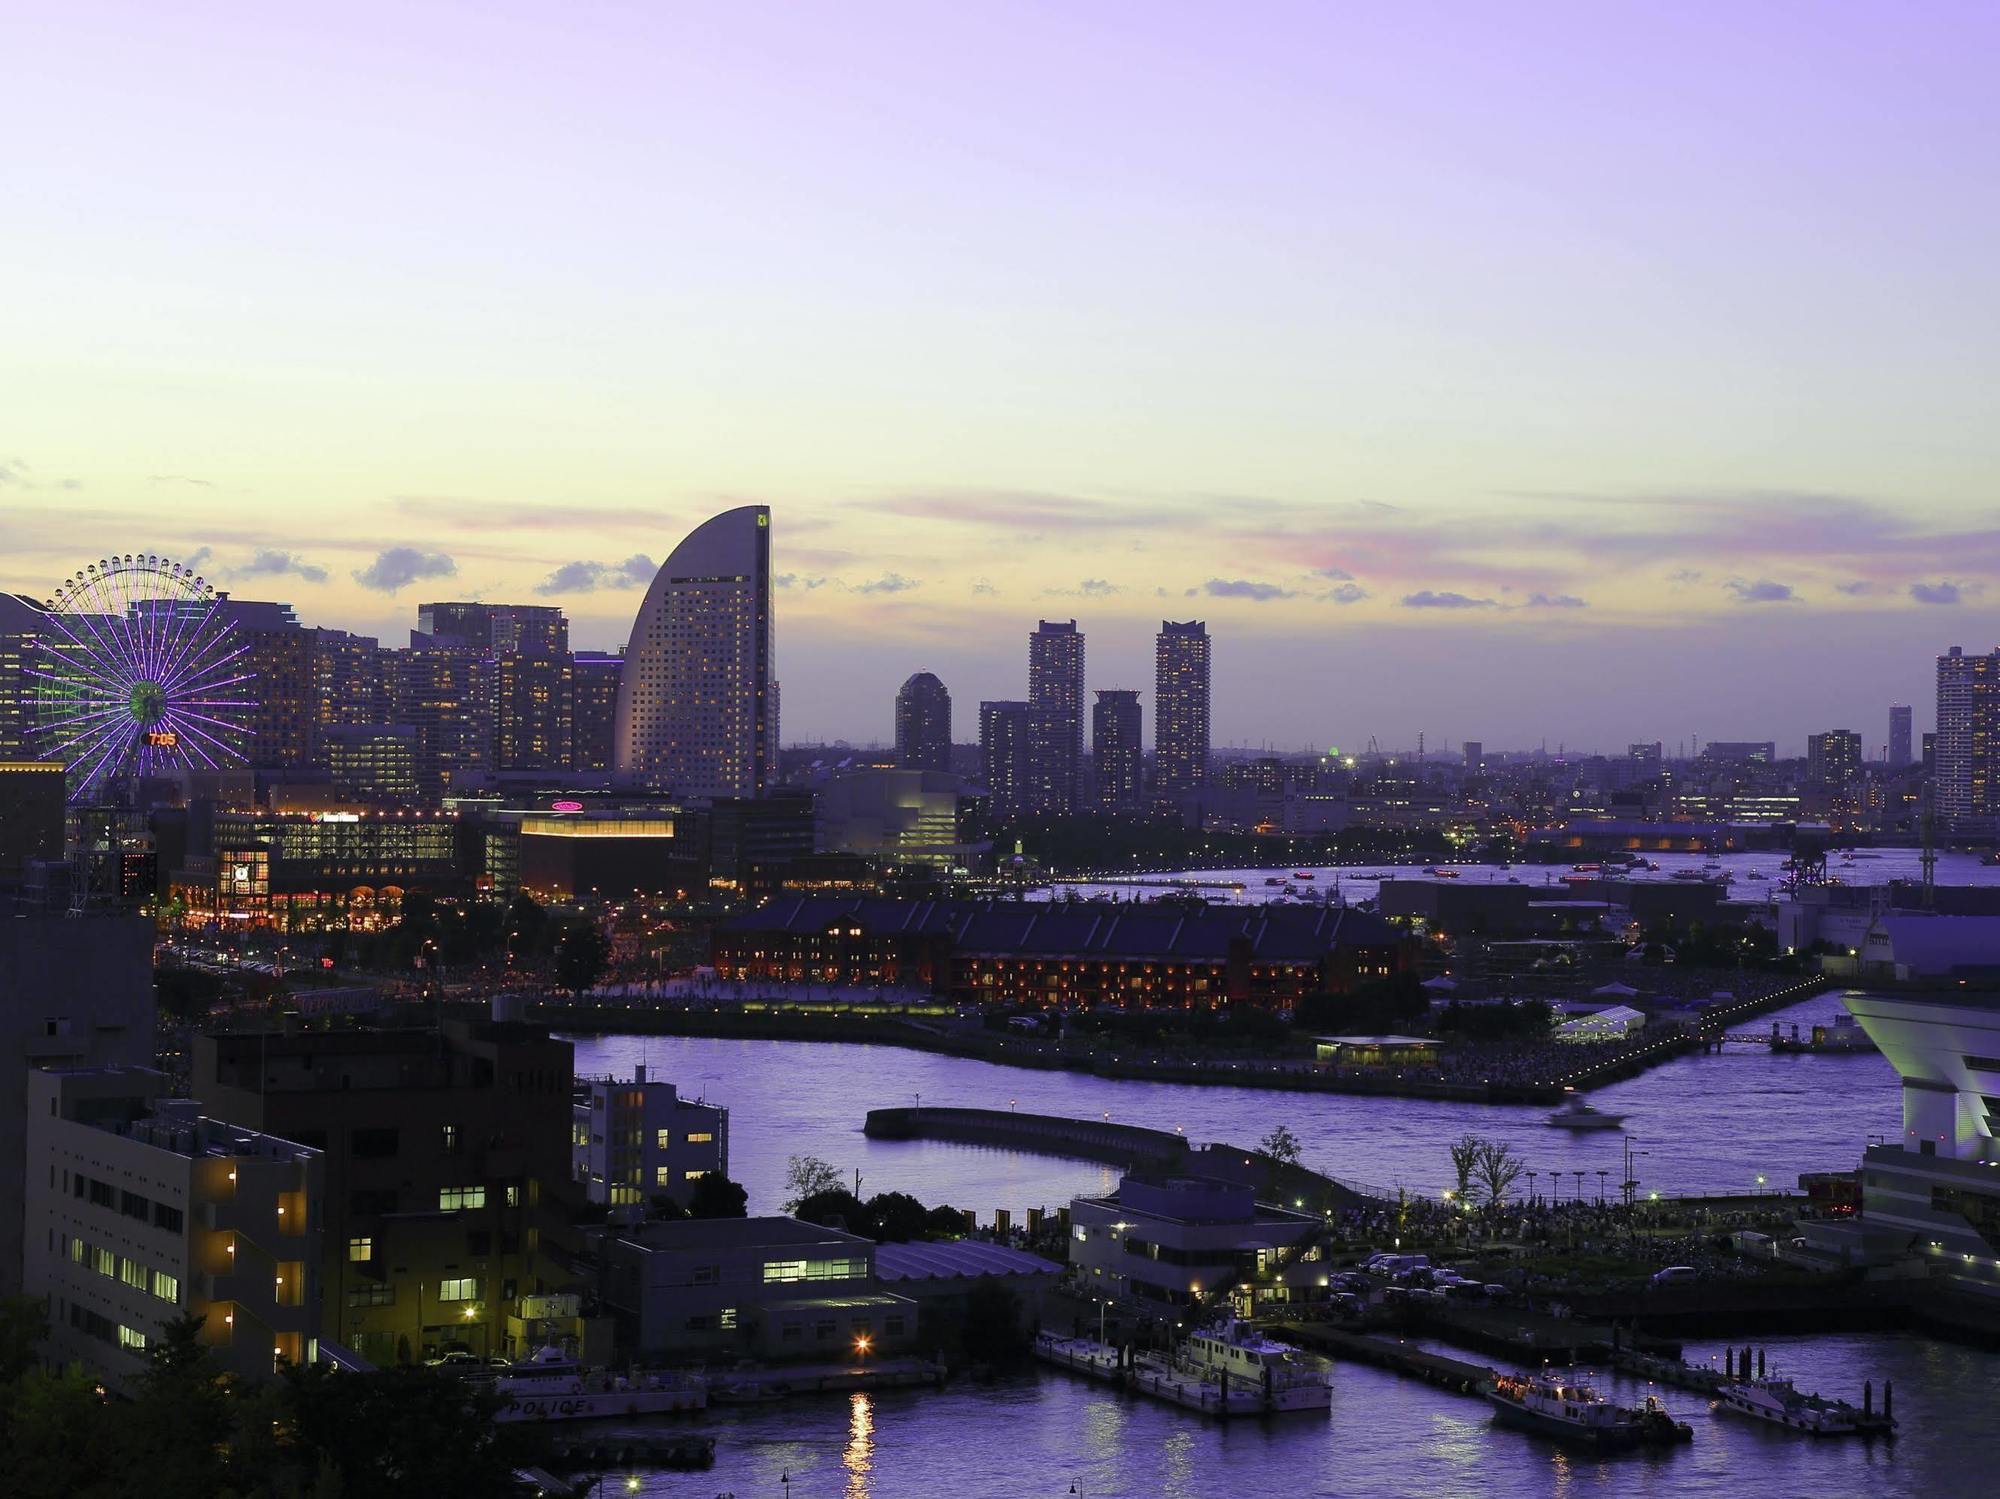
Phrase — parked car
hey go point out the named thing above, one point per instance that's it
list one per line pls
(1675, 1275)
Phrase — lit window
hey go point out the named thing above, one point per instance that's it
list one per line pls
(663, 1138)
(701, 1137)
(166, 1287)
(694, 1176)
(459, 1290)
(453, 1199)
(663, 1176)
(360, 1251)
(449, 1139)
(131, 1337)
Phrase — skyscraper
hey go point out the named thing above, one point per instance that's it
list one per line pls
(1965, 790)
(697, 707)
(1055, 688)
(1899, 736)
(279, 657)
(536, 630)
(1475, 757)
(446, 695)
(1114, 750)
(594, 719)
(1180, 710)
(923, 724)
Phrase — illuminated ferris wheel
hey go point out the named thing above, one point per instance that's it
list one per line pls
(138, 670)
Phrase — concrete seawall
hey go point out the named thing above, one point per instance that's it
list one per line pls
(1129, 1146)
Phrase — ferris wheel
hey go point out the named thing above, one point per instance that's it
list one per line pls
(138, 670)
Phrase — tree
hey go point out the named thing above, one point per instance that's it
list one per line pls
(808, 1176)
(1465, 1161)
(895, 1218)
(1498, 1168)
(836, 1207)
(177, 1429)
(580, 957)
(716, 1196)
(1281, 1145)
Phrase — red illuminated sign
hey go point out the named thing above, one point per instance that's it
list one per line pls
(162, 739)
(565, 806)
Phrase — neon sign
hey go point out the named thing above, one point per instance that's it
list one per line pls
(565, 806)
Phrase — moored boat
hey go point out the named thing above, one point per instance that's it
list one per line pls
(1782, 1403)
(554, 1387)
(1568, 1410)
(1575, 1113)
(1283, 1378)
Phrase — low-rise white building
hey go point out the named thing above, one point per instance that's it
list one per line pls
(140, 1210)
(631, 1141)
(1174, 1240)
(763, 1287)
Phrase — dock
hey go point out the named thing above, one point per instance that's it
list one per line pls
(1447, 1373)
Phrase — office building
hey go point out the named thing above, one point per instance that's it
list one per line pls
(278, 658)
(768, 1288)
(576, 856)
(1055, 690)
(751, 839)
(594, 708)
(1965, 788)
(634, 1141)
(445, 693)
(371, 762)
(79, 995)
(1180, 710)
(21, 628)
(697, 706)
(1899, 736)
(1115, 726)
(534, 714)
(31, 815)
(923, 724)
(301, 870)
(141, 1210)
(539, 631)
(1833, 758)
(449, 1199)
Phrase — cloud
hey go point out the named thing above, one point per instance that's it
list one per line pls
(1346, 593)
(1333, 574)
(1427, 599)
(635, 571)
(199, 558)
(270, 563)
(15, 472)
(488, 515)
(398, 567)
(983, 585)
(888, 583)
(178, 479)
(1089, 588)
(797, 580)
(1243, 588)
(1763, 591)
(1855, 589)
(1935, 593)
(1555, 601)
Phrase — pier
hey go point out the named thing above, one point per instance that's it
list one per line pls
(1447, 1373)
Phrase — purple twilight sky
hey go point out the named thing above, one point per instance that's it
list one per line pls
(1580, 371)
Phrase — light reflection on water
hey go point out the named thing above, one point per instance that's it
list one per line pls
(860, 1453)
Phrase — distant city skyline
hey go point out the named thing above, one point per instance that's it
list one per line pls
(1618, 350)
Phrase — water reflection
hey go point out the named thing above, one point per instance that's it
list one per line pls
(859, 1456)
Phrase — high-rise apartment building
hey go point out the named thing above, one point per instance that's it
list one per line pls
(534, 712)
(1966, 787)
(1115, 723)
(1833, 758)
(538, 630)
(1475, 757)
(1055, 689)
(923, 724)
(697, 706)
(350, 679)
(594, 708)
(1180, 709)
(1899, 735)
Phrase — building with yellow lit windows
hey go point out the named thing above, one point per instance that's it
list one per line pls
(142, 1210)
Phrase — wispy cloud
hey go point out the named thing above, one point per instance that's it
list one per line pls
(271, 563)
(1244, 588)
(983, 586)
(1346, 593)
(1555, 601)
(1430, 599)
(1333, 574)
(1762, 591)
(888, 583)
(1859, 588)
(199, 558)
(1935, 593)
(398, 567)
(485, 515)
(179, 479)
(799, 580)
(1089, 588)
(635, 571)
